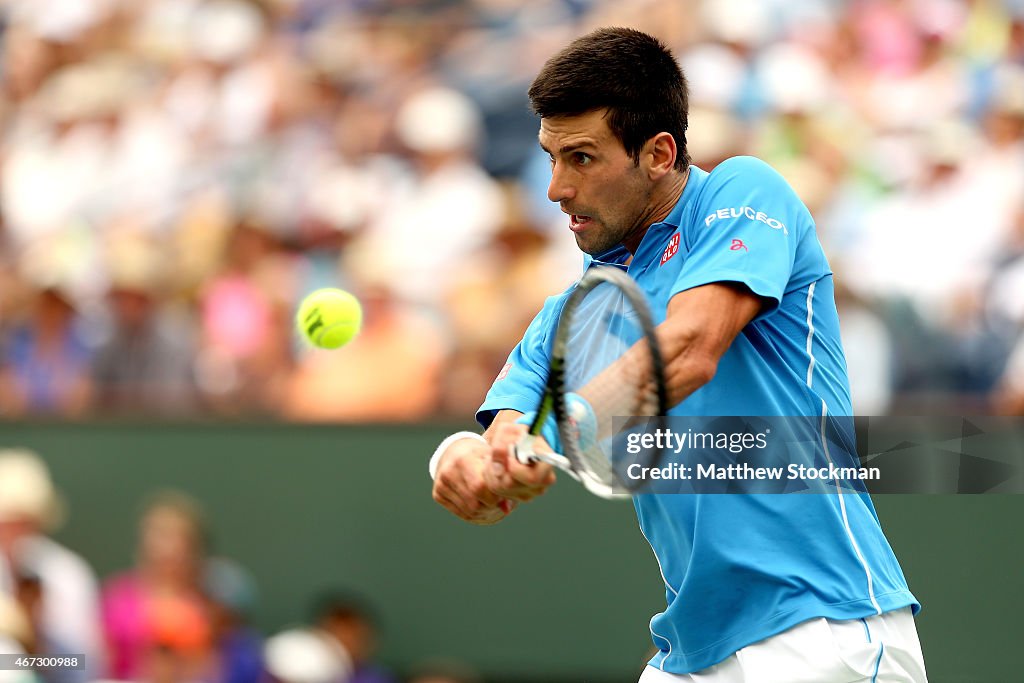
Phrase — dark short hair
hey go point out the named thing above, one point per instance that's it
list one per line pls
(630, 73)
(344, 605)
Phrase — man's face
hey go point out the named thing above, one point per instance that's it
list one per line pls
(594, 180)
(14, 528)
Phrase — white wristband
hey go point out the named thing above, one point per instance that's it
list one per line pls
(436, 457)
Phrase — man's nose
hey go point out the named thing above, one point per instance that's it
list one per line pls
(560, 189)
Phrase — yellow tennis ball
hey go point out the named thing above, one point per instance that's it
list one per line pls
(329, 318)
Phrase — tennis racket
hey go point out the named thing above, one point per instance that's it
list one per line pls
(605, 364)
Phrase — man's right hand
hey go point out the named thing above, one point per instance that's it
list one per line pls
(461, 485)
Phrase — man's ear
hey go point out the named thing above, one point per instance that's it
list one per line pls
(660, 153)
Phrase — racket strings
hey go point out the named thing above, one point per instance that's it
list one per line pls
(609, 364)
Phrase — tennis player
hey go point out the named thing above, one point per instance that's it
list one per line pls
(765, 588)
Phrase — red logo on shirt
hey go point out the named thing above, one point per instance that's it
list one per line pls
(737, 245)
(671, 250)
(504, 372)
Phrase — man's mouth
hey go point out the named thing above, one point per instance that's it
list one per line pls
(578, 222)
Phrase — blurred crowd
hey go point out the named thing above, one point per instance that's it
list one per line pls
(179, 615)
(176, 174)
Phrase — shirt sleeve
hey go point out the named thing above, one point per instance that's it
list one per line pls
(748, 224)
(520, 384)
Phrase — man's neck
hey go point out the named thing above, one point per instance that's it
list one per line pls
(662, 203)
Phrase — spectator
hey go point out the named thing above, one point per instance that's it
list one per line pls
(231, 593)
(56, 588)
(448, 208)
(351, 622)
(245, 354)
(145, 363)
(155, 614)
(45, 365)
(15, 638)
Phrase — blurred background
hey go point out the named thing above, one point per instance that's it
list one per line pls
(175, 175)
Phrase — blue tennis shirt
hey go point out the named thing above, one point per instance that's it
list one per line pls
(739, 568)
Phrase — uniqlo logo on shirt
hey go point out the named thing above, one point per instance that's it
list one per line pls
(671, 249)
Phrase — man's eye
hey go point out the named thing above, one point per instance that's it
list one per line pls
(583, 159)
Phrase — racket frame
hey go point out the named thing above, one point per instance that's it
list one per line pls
(554, 399)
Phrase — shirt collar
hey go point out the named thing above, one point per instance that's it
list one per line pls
(617, 255)
(675, 216)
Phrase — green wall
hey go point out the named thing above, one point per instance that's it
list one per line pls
(562, 589)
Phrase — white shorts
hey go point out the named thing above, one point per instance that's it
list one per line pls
(878, 649)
